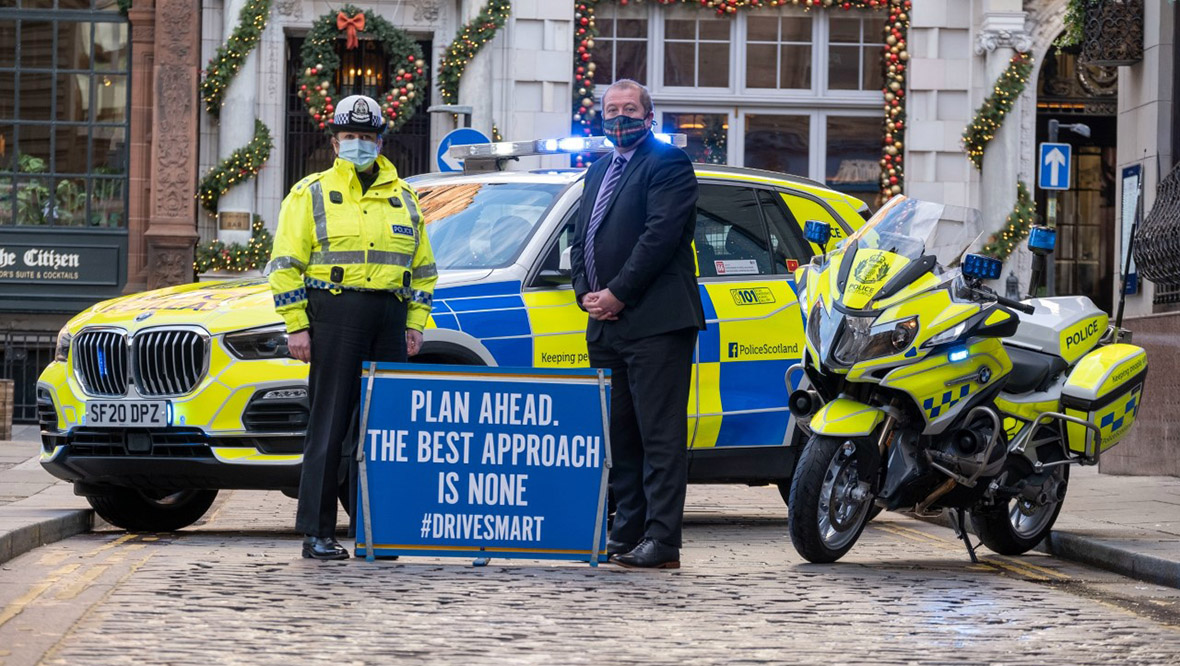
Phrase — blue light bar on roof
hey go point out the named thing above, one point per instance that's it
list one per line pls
(563, 146)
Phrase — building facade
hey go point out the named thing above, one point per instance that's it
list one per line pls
(104, 136)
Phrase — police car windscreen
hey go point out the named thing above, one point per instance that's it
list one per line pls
(483, 225)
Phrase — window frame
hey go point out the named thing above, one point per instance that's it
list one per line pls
(818, 102)
(52, 176)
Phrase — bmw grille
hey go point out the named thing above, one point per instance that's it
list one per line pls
(162, 361)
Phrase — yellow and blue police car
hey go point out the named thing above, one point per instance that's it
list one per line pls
(158, 400)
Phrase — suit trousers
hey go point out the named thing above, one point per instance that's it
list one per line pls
(346, 329)
(650, 379)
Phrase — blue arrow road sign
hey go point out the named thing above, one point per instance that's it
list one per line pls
(1053, 166)
(463, 136)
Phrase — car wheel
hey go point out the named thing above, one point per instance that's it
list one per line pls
(152, 511)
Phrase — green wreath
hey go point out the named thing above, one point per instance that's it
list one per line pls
(319, 62)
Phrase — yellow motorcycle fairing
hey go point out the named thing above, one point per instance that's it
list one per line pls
(868, 273)
(846, 418)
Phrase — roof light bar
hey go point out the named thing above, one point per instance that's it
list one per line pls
(567, 145)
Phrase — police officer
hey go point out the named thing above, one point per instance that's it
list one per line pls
(353, 276)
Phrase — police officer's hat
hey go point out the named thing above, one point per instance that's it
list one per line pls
(357, 113)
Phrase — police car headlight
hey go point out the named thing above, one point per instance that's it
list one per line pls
(62, 353)
(259, 344)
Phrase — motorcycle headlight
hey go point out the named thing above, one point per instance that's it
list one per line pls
(259, 344)
(862, 341)
(814, 322)
(62, 352)
(949, 335)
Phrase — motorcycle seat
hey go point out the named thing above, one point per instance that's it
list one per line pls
(1032, 371)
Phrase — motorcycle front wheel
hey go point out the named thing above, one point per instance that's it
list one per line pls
(1017, 526)
(823, 516)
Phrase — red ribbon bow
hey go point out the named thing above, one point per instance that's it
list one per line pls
(352, 25)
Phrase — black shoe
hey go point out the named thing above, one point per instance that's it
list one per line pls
(323, 548)
(619, 547)
(649, 554)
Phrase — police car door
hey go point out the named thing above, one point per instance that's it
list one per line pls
(747, 249)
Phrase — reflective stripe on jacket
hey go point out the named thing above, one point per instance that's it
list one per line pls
(331, 236)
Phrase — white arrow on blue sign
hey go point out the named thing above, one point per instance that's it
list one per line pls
(464, 136)
(1053, 166)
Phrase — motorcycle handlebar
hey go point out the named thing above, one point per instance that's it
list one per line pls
(1015, 305)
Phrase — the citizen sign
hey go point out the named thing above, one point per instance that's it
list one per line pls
(32, 264)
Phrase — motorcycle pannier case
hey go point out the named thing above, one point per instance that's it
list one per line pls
(1106, 389)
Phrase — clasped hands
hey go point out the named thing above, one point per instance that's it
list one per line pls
(602, 305)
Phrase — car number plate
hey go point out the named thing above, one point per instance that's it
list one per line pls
(123, 413)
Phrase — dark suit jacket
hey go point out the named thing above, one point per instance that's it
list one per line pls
(643, 248)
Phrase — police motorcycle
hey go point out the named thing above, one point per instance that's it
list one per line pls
(928, 392)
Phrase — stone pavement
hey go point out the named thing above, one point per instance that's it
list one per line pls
(1128, 525)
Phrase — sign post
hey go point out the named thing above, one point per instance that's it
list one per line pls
(460, 137)
(480, 462)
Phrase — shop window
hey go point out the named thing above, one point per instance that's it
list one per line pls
(707, 134)
(853, 150)
(778, 52)
(696, 51)
(854, 54)
(778, 143)
(620, 50)
(64, 118)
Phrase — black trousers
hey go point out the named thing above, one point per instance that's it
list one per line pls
(346, 330)
(650, 379)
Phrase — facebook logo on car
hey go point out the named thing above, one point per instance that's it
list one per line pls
(733, 350)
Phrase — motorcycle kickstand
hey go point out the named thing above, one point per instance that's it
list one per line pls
(960, 524)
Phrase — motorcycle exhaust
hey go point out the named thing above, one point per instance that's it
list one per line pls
(803, 403)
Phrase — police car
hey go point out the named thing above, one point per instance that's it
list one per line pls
(157, 400)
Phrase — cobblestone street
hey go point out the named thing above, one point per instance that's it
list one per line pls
(234, 590)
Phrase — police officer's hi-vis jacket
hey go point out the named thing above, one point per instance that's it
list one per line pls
(331, 236)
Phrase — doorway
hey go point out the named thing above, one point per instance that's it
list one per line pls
(1070, 92)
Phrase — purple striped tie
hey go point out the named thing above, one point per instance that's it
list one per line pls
(604, 192)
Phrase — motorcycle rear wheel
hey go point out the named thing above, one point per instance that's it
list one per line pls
(1016, 527)
(822, 517)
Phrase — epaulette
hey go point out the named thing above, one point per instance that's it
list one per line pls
(307, 180)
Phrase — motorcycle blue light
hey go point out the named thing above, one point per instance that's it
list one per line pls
(817, 232)
(1042, 240)
(957, 354)
(979, 267)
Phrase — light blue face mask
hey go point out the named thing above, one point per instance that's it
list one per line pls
(358, 151)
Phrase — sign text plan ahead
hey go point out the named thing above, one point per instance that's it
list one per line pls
(481, 462)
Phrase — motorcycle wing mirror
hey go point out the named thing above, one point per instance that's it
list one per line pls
(818, 232)
(1042, 240)
(980, 267)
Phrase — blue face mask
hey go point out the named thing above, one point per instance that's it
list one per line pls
(358, 151)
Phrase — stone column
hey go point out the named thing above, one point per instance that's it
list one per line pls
(1002, 34)
(143, 42)
(172, 231)
(235, 209)
(475, 86)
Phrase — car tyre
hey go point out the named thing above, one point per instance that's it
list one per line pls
(147, 511)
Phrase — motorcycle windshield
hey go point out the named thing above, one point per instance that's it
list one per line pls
(902, 232)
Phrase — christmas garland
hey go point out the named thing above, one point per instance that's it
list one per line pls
(245, 162)
(1075, 23)
(224, 65)
(398, 103)
(469, 40)
(991, 114)
(1020, 220)
(217, 256)
(894, 62)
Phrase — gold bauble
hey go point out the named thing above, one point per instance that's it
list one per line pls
(898, 145)
(891, 40)
(410, 94)
(904, 55)
(403, 99)
(896, 189)
(889, 97)
(589, 43)
(890, 150)
(894, 86)
(409, 86)
(401, 72)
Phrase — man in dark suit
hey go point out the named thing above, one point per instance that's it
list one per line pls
(634, 273)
